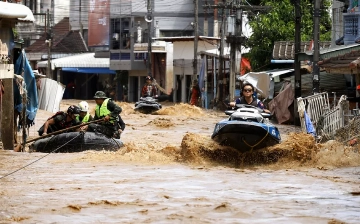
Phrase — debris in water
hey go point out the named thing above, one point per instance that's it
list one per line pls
(75, 207)
(105, 202)
(224, 207)
(334, 221)
(355, 193)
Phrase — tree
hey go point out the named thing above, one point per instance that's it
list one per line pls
(279, 24)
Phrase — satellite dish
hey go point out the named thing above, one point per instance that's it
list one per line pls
(148, 18)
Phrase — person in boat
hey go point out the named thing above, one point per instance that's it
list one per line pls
(149, 89)
(248, 98)
(105, 108)
(60, 120)
(195, 93)
(84, 115)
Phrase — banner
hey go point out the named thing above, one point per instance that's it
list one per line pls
(99, 19)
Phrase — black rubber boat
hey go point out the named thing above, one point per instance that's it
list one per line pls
(81, 142)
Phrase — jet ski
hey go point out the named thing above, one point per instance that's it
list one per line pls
(247, 128)
(80, 141)
(147, 105)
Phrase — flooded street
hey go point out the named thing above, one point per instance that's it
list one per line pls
(170, 171)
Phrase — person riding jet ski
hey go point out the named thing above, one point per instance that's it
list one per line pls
(248, 98)
(149, 89)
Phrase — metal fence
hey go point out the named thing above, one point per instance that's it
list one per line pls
(325, 119)
(314, 106)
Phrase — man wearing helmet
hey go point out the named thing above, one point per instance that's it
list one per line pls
(60, 120)
(84, 115)
(109, 111)
(149, 89)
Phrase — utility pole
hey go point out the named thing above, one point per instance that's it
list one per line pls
(196, 39)
(221, 80)
(235, 39)
(297, 49)
(149, 21)
(316, 55)
(206, 23)
(80, 23)
(49, 42)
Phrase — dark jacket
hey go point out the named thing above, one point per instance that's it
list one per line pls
(60, 123)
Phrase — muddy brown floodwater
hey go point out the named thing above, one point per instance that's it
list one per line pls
(170, 171)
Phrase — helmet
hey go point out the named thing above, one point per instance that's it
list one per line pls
(73, 109)
(148, 78)
(100, 95)
(84, 106)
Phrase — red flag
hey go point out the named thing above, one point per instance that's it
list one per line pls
(245, 66)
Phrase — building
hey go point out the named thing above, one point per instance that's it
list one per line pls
(10, 14)
(30, 32)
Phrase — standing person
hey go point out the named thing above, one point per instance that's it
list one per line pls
(149, 89)
(195, 93)
(247, 98)
(107, 109)
(60, 120)
(84, 115)
(71, 89)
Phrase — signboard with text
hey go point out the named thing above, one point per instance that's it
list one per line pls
(99, 19)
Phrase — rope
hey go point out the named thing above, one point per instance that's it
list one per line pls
(252, 146)
(81, 133)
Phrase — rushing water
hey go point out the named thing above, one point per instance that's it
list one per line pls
(170, 171)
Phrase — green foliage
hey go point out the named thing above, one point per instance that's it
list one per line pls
(279, 25)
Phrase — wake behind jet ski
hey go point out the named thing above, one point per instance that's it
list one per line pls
(247, 128)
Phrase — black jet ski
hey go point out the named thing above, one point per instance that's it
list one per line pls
(147, 105)
(80, 141)
(247, 128)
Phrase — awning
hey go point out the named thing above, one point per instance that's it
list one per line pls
(86, 60)
(275, 73)
(89, 70)
(15, 11)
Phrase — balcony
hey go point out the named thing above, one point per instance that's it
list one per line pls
(121, 60)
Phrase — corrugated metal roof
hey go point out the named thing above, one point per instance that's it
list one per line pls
(86, 60)
(329, 53)
(328, 82)
(285, 50)
(64, 40)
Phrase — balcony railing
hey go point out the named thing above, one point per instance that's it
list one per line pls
(126, 56)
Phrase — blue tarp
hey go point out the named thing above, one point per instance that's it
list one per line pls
(23, 68)
(309, 126)
(90, 70)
